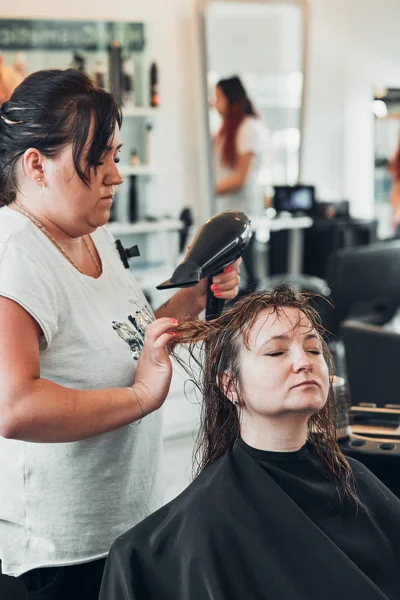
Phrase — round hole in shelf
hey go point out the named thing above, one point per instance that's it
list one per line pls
(357, 443)
(387, 446)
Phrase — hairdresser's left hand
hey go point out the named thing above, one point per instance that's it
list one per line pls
(225, 285)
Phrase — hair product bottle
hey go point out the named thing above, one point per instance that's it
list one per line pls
(133, 199)
(154, 95)
(78, 62)
(100, 74)
(113, 210)
(128, 82)
(135, 158)
(116, 71)
(147, 155)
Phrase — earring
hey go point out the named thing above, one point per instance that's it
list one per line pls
(236, 402)
(41, 185)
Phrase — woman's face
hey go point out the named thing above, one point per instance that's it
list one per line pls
(221, 101)
(284, 370)
(71, 204)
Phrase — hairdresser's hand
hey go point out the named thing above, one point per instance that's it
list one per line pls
(225, 285)
(154, 368)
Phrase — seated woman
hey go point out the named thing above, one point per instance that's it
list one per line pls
(275, 512)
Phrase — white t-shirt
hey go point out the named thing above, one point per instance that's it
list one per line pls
(251, 136)
(65, 503)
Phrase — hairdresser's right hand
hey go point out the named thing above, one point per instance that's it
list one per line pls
(154, 368)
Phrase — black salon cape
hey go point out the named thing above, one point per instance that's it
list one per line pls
(262, 526)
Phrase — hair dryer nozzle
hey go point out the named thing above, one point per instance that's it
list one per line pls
(219, 242)
(185, 275)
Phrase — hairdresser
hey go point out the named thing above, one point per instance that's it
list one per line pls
(84, 363)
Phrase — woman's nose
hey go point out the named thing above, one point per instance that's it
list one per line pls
(302, 362)
(114, 177)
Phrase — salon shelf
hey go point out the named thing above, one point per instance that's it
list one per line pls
(281, 222)
(137, 170)
(117, 228)
(139, 111)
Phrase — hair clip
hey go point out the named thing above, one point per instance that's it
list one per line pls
(10, 122)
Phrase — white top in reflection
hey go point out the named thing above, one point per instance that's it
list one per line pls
(251, 137)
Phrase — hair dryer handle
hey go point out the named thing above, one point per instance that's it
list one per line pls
(214, 305)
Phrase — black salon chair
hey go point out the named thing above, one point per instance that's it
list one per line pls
(365, 286)
(372, 357)
(330, 235)
(364, 283)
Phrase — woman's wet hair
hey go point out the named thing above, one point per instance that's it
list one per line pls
(214, 347)
(48, 111)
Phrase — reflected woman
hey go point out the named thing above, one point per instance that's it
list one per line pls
(239, 149)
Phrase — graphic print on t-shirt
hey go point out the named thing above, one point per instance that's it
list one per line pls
(132, 332)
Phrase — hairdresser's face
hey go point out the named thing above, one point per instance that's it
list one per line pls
(77, 208)
(284, 370)
(221, 101)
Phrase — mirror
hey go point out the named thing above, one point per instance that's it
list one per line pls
(262, 43)
(386, 111)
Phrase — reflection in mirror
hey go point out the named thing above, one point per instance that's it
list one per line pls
(386, 110)
(256, 145)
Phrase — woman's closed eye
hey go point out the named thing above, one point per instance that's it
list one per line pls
(273, 353)
(116, 159)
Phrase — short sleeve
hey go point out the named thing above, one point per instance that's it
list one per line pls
(252, 137)
(23, 280)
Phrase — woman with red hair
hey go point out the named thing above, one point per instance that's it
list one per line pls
(239, 147)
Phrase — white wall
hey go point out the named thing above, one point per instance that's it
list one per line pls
(353, 47)
(265, 40)
(323, 139)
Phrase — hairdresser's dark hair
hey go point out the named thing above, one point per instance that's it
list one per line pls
(239, 106)
(49, 110)
(218, 341)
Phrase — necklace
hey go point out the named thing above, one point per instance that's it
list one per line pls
(57, 245)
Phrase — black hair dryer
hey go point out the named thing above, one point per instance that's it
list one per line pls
(218, 243)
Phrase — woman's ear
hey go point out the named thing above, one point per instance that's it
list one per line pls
(227, 387)
(32, 163)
